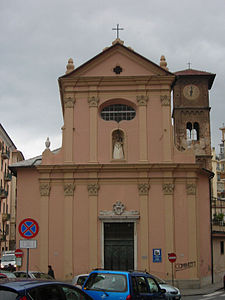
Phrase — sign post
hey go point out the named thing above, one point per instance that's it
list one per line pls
(28, 229)
(19, 255)
(172, 258)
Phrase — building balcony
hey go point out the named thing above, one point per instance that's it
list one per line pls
(3, 193)
(5, 217)
(8, 176)
(218, 203)
(218, 226)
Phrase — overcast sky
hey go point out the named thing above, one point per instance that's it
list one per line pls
(37, 37)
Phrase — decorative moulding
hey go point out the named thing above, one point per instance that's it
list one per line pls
(45, 189)
(119, 212)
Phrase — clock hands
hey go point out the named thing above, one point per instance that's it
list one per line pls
(191, 91)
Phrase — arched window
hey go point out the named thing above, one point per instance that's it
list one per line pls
(118, 112)
(188, 131)
(192, 131)
(196, 127)
(118, 144)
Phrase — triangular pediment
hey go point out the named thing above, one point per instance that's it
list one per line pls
(118, 60)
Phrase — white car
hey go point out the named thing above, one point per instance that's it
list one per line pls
(79, 280)
(32, 274)
(172, 292)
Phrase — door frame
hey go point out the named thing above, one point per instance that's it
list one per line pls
(103, 240)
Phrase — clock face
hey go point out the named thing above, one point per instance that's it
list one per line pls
(191, 91)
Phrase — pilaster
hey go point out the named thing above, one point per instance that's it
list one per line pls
(142, 108)
(191, 191)
(143, 189)
(93, 189)
(167, 134)
(68, 128)
(168, 195)
(69, 188)
(45, 187)
(93, 105)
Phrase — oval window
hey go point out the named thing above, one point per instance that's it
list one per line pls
(118, 112)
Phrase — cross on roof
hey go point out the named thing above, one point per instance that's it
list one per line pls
(117, 29)
(189, 65)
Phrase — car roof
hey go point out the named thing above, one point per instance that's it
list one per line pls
(18, 285)
(122, 272)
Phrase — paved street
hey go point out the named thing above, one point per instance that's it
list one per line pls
(212, 296)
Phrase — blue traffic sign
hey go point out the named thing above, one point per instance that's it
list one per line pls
(157, 255)
(28, 228)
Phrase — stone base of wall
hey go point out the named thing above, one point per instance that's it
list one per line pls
(192, 284)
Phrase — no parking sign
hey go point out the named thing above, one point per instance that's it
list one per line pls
(28, 228)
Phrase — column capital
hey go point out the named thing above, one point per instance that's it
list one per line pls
(93, 189)
(69, 102)
(44, 188)
(168, 188)
(142, 100)
(93, 101)
(191, 188)
(143, 188)
(165, 100)
(69, 189)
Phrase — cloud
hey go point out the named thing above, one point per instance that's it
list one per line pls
(38, 37)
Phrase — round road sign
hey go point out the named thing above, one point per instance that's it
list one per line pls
(172, 257)
(28, 228)
(19, 252)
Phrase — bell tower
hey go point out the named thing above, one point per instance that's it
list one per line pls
(191, 113)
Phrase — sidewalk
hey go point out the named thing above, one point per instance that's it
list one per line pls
(205, 290)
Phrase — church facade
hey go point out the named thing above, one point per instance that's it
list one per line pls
(121, 192)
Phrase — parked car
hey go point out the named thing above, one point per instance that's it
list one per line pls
(32, 274)
(122, 285)
(8, 260)
(79, 280)
(172, 293)
(6, 274)
(30, 289)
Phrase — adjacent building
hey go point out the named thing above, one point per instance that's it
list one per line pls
(8, 155)
(127, 187)
(218, 209)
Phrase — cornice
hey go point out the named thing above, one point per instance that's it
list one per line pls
(117, 80)
(101, 168)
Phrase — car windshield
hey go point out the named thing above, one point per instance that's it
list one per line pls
(106, 282)
(159, 280)
(81, 280)
(8, 257)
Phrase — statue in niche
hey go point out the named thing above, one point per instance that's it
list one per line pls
(118, 144)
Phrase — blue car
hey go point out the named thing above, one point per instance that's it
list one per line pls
(34, 289)
(122, 285)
